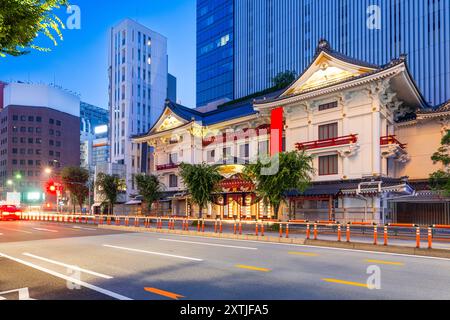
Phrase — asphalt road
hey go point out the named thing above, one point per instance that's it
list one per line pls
(60, 261)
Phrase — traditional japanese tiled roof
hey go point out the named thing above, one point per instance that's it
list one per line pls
(443, 108)
(325, 47)
(335, 188)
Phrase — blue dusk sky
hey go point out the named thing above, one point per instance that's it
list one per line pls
(80, 62)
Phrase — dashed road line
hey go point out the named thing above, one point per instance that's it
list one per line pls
(385, 262)
(73, 267)
(306, 254)
(209, 244)
(154, 253)
(241, 266)
(163, 293)
(46, 230)
(348, 283)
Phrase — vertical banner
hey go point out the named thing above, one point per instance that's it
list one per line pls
(276, 131)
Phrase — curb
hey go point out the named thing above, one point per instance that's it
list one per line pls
(437, 253)
(206, 234)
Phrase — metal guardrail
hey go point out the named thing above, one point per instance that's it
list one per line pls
(326, 230)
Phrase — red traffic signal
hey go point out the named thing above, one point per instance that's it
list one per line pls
(51, 187)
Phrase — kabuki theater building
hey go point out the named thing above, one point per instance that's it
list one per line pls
(368, 127)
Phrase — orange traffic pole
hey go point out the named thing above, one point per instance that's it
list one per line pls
(287, 230)
(262, 229)
(348, 232)
(198, 225)
(117, 221)
(281, 230)
(308, 232)
(430, 237)
(339, 233)
(240, 228)
(315, 231)
(385, 234)
(256, 229)
(375, 234)
(234, 227)
(203, 225)
(418, 237)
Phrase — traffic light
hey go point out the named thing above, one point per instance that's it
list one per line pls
(51, 187)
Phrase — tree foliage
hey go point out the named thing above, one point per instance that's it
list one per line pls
(283, 79)
(440, 180)
(21, 21)
(149, 188)
(75, 180)
(109, 186)
(201, 181)
(294, 173)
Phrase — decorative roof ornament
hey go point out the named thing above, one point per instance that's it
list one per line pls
(324, 45)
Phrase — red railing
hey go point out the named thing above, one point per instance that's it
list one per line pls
(167, 166)
(391, 140)
(339, 141)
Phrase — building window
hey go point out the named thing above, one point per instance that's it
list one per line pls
(328, 165)
(211, 155)
(173, 158)
(263, 148)
(328, 131)
(244, 151)
(173, 181)
(327, 106)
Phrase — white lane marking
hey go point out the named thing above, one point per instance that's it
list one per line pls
(209, 244)
(308, 246)
(82, 228)
(23, 231)
(46, 230)
(68, 266)
(155, 253)
(64, 277)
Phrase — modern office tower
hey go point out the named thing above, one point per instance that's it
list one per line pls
(215, 41)
(273, 36)
(94, 145)
(138, 89)
(39, 130)
(171, 87)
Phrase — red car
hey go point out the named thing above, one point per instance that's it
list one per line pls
(10, 212)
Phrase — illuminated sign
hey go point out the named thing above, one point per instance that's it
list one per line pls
(101, 129)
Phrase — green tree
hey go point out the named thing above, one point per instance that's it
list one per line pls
(21, 21)
(109, 186)
(75, 180)
(149, 188)
(294, 173)
(201, 181)
(440, 180)
(283, 79)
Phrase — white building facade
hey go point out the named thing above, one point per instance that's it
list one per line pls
(138, 88)
(363, 124)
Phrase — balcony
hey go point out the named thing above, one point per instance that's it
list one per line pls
(387, 140)
(334, 142)
(168, 166)
(391, 148)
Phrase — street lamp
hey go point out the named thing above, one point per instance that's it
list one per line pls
(48, 170)
(9, 182)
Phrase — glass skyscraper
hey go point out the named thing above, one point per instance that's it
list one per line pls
(215, 48)
(272, 36)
